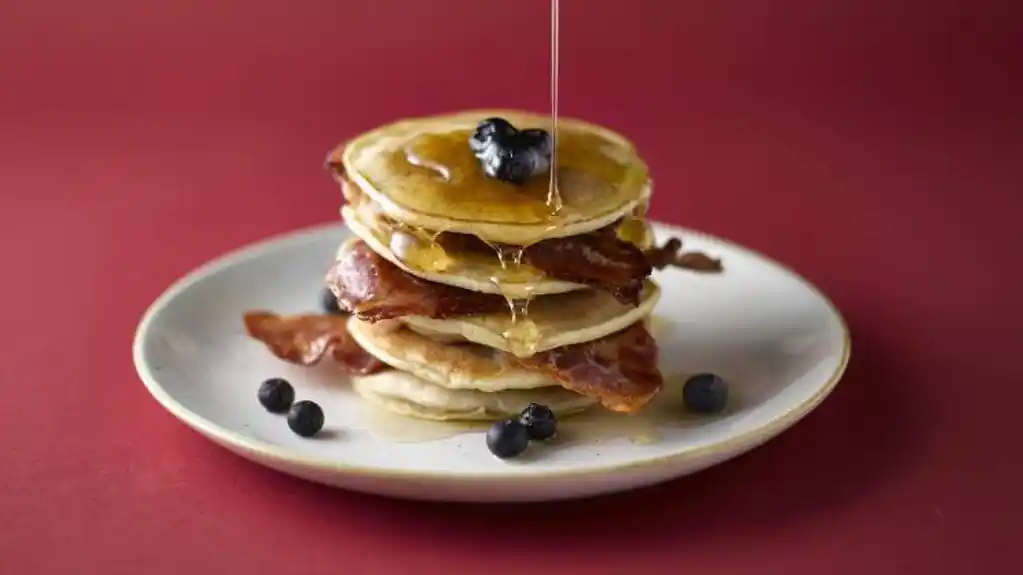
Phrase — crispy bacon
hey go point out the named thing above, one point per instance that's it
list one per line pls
(620, 370)
(598, 259)
(668, 255)
(306, 339)
(661, 256)
(369, 286)
(373, 289)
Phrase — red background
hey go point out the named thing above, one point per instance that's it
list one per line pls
(874, 145)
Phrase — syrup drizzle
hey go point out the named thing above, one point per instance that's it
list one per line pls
(523, 336)
(418, 246)
(553, 195)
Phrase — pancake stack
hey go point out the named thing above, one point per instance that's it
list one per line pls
(478, 285)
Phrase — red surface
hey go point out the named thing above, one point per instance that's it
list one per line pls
(874, 145)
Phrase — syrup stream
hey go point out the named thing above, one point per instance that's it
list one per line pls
(553, 196)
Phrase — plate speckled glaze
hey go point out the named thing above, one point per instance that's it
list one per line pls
(780, 344)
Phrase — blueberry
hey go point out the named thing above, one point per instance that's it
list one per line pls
(276, 395)
(536, 144)
(305, 418)
(328, 302)
(507, 438)
(492, 130)
(539, 421)
(511, 165)
(537, 140)
(502, 163)
(509, 155)
(705, 393)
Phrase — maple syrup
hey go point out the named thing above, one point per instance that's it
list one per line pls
(419, 249)
(587, 170)
(634, 230)
(554, 202)
(523, 336)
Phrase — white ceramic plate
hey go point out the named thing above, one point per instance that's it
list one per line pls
(780, 344)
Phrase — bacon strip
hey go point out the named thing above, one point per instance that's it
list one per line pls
(599, 259)
(619, 371)
(668, 255)
(306, 339)
(374, 289)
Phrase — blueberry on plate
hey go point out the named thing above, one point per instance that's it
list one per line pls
(540, 421)
(328, 302)
(305, 418)
(705, 393)
(276, 395)
(508, 438)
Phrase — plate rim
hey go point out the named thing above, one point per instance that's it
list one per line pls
(255, 449)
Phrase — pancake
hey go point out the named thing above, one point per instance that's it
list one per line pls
(422, 173)
(480, 271)
(551, 321)
(408, 395)
(440, 361)
(472, 271)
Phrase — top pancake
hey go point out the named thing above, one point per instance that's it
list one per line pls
(421, 172)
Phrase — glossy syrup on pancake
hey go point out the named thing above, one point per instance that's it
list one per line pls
(418, 246)
(423, 171)
(588, 169)
(522, 328)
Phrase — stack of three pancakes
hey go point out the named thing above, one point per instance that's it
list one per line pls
(482, 296)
